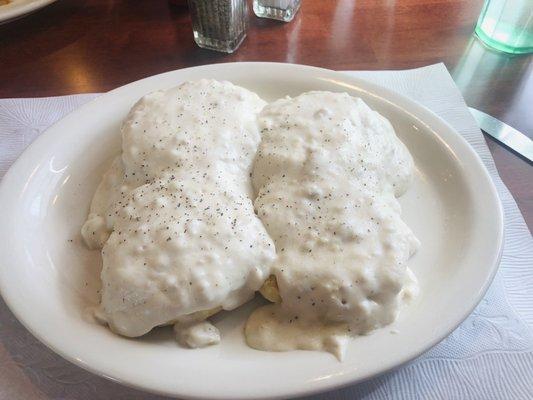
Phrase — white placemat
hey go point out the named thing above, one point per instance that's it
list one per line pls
(490, 356)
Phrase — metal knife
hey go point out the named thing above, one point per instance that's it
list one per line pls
(504, 133)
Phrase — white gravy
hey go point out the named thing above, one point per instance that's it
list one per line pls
(327, 174)
(174, 213)
(180, 239)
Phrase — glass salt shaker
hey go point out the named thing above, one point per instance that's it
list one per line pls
(219, 25)
(283, 10)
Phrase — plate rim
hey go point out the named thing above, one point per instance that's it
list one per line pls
(325, 385)
(16, 11)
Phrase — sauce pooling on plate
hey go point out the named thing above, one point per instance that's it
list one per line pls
(174, 213)
(327, 174)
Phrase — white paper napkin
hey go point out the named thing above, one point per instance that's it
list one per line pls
(490, 356)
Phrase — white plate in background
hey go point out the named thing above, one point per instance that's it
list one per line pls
(18, 8)
(47, 276)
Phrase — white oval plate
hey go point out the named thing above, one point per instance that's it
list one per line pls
(19, 8)
(47, 276)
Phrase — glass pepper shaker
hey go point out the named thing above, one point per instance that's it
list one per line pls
(219, 25)
(282, 10)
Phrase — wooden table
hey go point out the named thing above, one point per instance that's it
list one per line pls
(95, 45)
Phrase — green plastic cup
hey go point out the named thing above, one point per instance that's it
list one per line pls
(507, 25)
